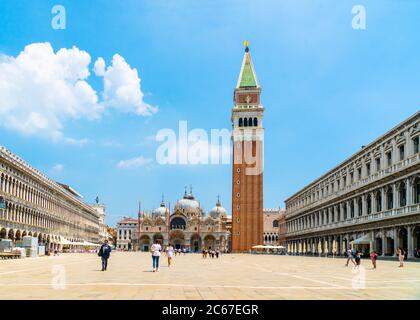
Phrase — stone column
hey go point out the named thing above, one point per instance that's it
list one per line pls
(373, 202)
(384, 243)
(356, 207)
(394, 196)
(409, 191)
(364, 211)
(409, 242)
(396, 242)
(383, 199)
(341, 208)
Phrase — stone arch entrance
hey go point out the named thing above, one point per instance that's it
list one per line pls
(3, 233)
(158, 237)
(195, 243)
(18, 235)
(403, 239)
(11, 235)
(416, 240)
(378, 244)
(209, 242)
(144, 243)
(177, 239)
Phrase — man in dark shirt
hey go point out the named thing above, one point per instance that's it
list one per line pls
(104, 253)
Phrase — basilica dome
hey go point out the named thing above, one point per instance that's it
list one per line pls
(188, 202)
(218, 211)
(161, 211)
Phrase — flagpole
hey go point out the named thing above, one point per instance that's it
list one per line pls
(139, 225)
(199, 219)
(169, 217)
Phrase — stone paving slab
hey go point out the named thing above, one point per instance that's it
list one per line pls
(232, 276)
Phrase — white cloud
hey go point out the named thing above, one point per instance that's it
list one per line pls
(122, 86)
(134, 162)
(40, 89)
(58, 168)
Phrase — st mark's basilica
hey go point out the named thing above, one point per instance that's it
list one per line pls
(186, 226)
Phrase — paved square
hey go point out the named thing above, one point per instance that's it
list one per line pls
(233, 276)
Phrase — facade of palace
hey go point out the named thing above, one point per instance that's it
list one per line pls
(32, 204)
(273, 220)
(372, 198)
(187, 226)
(247, 169)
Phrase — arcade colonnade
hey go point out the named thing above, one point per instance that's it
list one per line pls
(32, 204)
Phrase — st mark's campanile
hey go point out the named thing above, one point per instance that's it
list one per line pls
(247, 173)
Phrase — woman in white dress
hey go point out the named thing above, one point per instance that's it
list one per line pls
(169, 254)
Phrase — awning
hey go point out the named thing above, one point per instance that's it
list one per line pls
(366, 239)
(268, 247)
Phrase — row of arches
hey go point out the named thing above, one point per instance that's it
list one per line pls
(248, 122)
(384, 242)
(400, 194)
(27, 216)
(18, 234)
(271, 238)
(179, 240)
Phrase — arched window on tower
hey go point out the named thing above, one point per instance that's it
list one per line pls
(255, 122)
(245, 122)
(250, 122)
(241, 122)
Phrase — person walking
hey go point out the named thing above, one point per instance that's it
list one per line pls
(373, 257)
(156, 249)
(217, 254)
(401, 256)
(104, 253)
(349, 257)
(358, 257)
(169, 254)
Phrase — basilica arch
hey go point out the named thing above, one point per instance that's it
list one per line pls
(195, 243)
(177, 238)
(145, 243)
(209, 241)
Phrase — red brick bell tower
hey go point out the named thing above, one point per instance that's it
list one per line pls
(247, 171)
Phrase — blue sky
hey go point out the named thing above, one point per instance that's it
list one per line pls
(327, 88)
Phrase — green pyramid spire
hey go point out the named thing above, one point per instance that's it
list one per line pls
(248, 78)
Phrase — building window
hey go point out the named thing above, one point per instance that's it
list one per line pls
(378, 202)
(367, 169)
(352, 209)
(369, 204)
(359, 173)
(275, 224)
(351, 177)
(402, 195)
(241, 122)
(389, 158)
(360, 207)
(401, 152)
(245, 122)
(417, 191)
(344, 182)
(378, 164)
(416, 144)
(389, 199)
